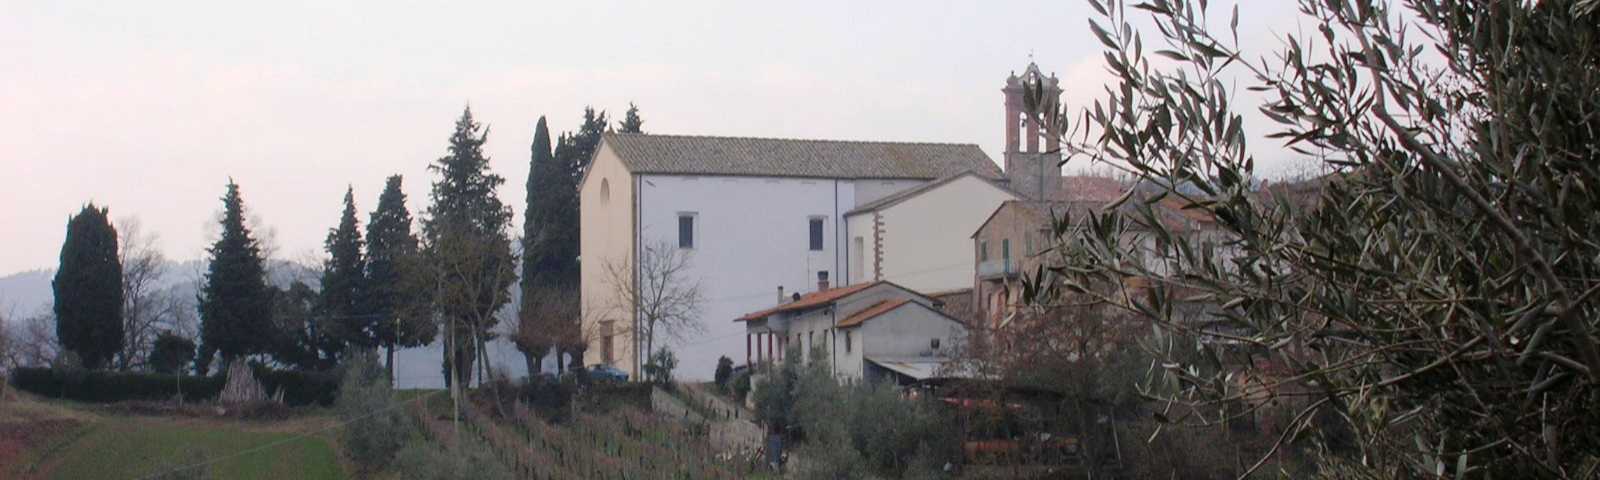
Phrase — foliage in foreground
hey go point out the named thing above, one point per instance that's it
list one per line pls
(449, 461)
(376, 431)
(1434, 305)
(855, 430)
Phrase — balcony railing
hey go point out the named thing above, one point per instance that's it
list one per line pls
(998, 268)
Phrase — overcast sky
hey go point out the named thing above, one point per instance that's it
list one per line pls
(149, 107)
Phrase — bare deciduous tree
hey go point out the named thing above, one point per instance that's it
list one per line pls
(143, 266)
(33, 339)
(660, 291)
(471, 284)
(538, 323)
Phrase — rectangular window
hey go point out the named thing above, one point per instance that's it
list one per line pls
(816, 234)
(608, 342)
(686, 230)
(1005, 249)
(847, 341)
(1030, 242)
(983, 251)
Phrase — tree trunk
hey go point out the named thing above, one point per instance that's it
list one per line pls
(388, 362)
(534, 363)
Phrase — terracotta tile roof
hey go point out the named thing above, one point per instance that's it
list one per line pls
(809, 300)
(779, 157)
(868, 313)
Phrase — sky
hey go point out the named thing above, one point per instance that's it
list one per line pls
(149, 108)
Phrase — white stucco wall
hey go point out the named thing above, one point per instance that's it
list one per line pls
(862, 262)
(927, 239)
(605, 235)
(869, 190)
(752, 236)
(816, 328)
(906, 332)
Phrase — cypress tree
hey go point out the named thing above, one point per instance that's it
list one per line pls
(546, 263)
(235, 304)
(341, 306)
(396, 284)
(467, 246)
(573, 153)
(88, 289)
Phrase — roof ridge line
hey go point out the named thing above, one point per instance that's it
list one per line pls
(790, 139)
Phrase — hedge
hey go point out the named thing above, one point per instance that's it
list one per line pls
(104, 386)
(299, 388)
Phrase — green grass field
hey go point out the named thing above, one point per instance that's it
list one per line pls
(132, 447)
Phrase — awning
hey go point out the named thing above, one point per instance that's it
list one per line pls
(919, 368)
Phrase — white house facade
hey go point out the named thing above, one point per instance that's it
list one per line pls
(873, 331)
(756, 216)
(921, 238)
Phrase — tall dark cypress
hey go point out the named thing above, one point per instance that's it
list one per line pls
(88, 289)
(235, 304)
(341, 306)
(467, 246)
(573, 153)
(396, 284)
(545, 262)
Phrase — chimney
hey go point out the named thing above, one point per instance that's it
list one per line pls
(780, 294)
(822, 280)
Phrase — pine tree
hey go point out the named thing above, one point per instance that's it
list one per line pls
(396, 284)
(467, 246)
(342, 304)
(88, 289)
(631, 123)
(235, 304)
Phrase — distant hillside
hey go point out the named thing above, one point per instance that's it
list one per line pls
(26, 292)
(29, 292)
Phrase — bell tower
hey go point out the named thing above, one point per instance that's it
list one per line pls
(1033, 173)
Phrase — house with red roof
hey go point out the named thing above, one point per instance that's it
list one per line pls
(877, 331)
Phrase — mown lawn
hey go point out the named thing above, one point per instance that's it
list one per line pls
(132, 447)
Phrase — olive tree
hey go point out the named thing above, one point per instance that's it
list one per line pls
(1428, 308)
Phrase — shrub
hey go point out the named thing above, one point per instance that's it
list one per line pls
(741, 386)
(375, 435)
(300, 388)
(427, 462)
(724, 370)
(170, 353)
(661, 365)
(775, 394)
(102, 386)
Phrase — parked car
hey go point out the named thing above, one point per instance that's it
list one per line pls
(606, 373)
